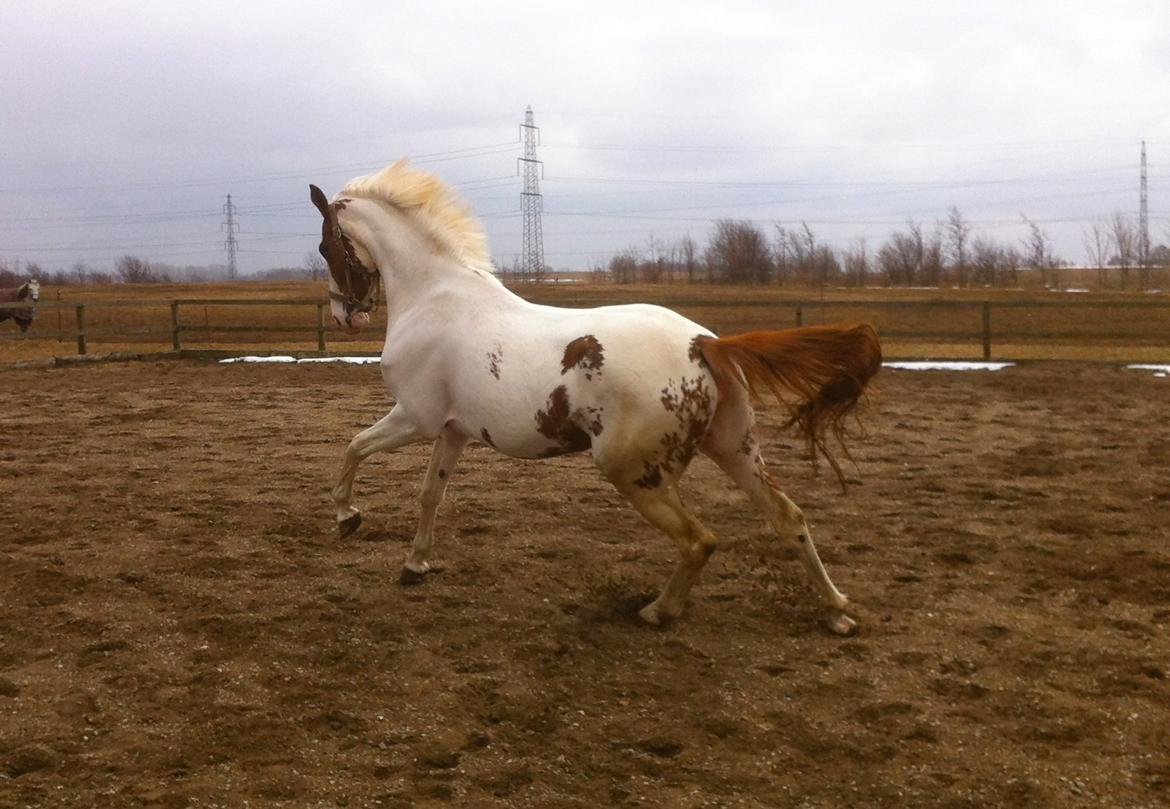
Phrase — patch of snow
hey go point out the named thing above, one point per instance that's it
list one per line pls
(1159, 370)
(284, 358)
(947, 365)
(1075, 289)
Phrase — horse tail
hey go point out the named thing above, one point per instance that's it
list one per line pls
(818, 373)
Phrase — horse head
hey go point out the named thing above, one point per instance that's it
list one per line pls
(30, 291)
(353, 286)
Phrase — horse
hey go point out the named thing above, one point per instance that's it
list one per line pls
(29, 291)
(640, 386)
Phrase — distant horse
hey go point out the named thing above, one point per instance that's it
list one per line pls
(29, 291)
(641, 386)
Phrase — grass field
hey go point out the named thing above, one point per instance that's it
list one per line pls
(1024, 324)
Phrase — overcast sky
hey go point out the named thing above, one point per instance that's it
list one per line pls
(123, 126)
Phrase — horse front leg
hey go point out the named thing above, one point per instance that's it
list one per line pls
(390, 432)
(446, 454)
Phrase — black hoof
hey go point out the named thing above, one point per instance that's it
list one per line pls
(409, 578)
(350, 524)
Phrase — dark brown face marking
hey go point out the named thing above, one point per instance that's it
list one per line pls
(585, 352)
(556, 422)
(487, 437)
(494, 356)
(352, 277)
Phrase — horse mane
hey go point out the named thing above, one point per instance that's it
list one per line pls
(435, 206)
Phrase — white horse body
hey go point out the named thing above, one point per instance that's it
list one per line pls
(513, 360)
(640, 386)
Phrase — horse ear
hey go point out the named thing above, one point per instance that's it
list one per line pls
(318, 197)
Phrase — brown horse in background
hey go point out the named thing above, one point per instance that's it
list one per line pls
(28, 292)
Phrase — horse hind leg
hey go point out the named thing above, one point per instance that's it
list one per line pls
(448, 448)
(662, 508)
(741, 461)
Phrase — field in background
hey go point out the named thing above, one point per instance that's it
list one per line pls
(1025, 324)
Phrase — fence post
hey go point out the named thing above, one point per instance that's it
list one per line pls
(799, 316)
(987, 330)
(321, 327)
(81, 328)
(175, 326)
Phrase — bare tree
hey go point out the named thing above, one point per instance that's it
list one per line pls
(986, 257)
(134, 270)
(738, 252)
(899, 259)
(81, 272)
(1038, 252)
(688, 250)
(958, 231)
(314, 265)
(1124, 237)
(1096, 240)
(623, 267)
(932, 255)
(856, 261)
(782, 254)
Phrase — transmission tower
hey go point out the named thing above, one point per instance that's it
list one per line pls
(1144, 217)
(232, 228)
(531, 202)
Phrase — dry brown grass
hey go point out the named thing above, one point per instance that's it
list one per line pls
(1026, 324)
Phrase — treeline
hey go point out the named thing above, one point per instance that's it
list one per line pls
(945, 253)
(131, 269)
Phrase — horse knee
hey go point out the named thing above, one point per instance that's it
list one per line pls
(700, 547)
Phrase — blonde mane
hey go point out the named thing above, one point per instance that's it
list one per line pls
(436, 207)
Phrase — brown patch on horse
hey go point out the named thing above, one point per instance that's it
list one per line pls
(494, 357)
(591, 418)
(651, 478)
(695, 352)
(556, 422)
(585, 352)
(692, 404)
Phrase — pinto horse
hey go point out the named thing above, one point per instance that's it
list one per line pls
(26, 294)
(640, 386)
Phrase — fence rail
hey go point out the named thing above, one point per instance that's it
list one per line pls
(939, 319)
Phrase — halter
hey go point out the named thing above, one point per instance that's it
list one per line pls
(344, 266)
(351, 267)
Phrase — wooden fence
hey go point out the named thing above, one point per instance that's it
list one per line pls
(979, 323)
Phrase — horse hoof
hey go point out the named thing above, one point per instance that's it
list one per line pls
(842, 625)
(350, 524)
(654, 615)
(409, 578)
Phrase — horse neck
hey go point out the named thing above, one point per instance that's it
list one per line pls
(411, 264)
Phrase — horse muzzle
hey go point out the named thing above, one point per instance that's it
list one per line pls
(353, 323)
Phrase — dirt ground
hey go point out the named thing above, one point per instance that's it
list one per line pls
(180, 626)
